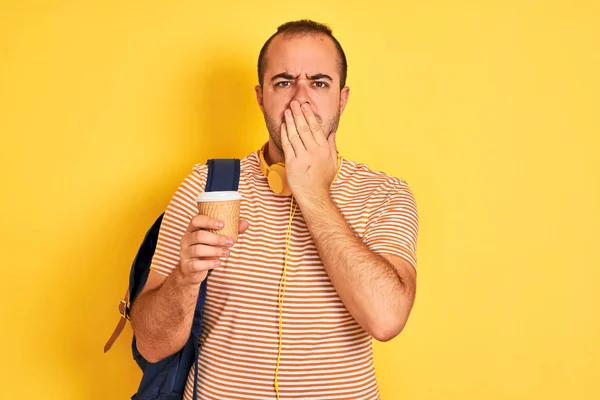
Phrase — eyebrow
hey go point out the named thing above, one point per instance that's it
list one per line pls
(285, 75)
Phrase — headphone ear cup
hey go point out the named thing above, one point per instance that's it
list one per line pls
(278, 180)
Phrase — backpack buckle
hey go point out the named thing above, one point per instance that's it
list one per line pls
(124, 308)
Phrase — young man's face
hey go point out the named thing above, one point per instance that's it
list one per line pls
(303, 68)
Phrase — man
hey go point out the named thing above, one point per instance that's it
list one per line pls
(318, 270)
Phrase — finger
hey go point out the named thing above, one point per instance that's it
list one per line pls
(302, 126)
(207, 238)
(293, 135)
(288, 150)
(314, 124)
(201, 265)
(201, 251)
(243, 226)
(204, 222)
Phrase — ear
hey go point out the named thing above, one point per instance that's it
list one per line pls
(344, 94)
(259, 97)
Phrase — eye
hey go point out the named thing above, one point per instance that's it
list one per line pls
(283, 84)
(321, 84)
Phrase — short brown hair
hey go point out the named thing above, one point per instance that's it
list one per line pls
(302, 27)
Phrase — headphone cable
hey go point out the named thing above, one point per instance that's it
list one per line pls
(282, 287)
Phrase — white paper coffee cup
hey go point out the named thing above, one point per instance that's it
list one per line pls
(225, 206)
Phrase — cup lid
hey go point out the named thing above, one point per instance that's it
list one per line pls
(218, 196)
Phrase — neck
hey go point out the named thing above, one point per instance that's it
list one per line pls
(273, 154)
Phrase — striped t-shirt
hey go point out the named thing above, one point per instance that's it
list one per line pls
(325, 353)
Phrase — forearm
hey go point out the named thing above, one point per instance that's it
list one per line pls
(374, 293)
(162, 317)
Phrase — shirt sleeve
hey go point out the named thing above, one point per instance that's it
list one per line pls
(393, 226)
(181, 209)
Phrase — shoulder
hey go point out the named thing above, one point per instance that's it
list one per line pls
(199, 170)
(195, 180)
(360, 177)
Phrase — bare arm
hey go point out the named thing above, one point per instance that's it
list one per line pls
(377, 290)
(161, 317)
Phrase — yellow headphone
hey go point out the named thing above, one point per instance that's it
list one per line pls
(276, 176)
(277, 180)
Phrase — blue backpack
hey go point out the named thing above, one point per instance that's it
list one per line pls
(166, 379)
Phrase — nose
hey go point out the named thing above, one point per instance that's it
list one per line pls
(301, 94)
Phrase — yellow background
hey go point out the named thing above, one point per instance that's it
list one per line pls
(488, 109)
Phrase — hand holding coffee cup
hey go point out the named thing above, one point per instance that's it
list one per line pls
(210, 234)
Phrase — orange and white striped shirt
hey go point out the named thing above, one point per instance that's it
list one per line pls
(326, 354)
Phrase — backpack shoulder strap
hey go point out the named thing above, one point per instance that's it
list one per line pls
(223, 174)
